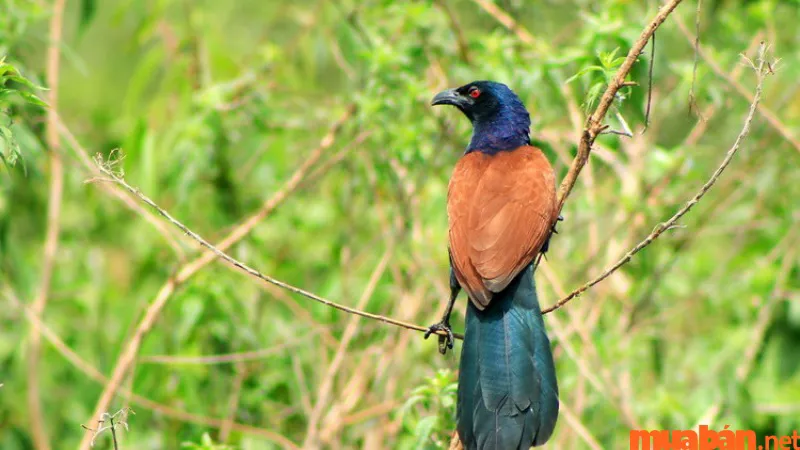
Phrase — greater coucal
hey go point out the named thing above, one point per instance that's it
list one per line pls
(502, 208)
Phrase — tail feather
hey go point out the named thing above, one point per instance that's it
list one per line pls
(507, 391)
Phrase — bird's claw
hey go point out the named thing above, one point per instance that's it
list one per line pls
(560, 218)
(445, 341)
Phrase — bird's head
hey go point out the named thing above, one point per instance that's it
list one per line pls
(499, 118)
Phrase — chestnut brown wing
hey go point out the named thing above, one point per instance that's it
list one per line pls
(501, 211)
(464, 181)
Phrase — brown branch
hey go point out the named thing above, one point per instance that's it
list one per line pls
(39, 434)
(594, 125)
(218, 252)
(672, 222)
(153, 311)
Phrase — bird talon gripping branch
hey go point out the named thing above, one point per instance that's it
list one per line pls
(445, 341)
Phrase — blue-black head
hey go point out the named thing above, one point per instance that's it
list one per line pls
(500, 121)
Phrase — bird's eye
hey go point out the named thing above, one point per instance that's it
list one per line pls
(474, 92)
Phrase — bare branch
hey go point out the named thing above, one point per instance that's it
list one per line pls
(103, 165)
(650, 82)
(86, 161)
(692, 98)
(38, 432)
(661, 228)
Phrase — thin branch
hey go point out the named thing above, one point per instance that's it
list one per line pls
(594, 125)
(128, 355)
(661, 228)
(249, 270)
(692, 97)
(650, 82)
(40, 440)
(121, 418)
(767, 113)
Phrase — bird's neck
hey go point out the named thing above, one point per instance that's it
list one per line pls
(506, 131)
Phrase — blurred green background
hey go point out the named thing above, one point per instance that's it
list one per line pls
(216, 105)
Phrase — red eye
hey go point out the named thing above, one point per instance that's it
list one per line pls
(474, 92)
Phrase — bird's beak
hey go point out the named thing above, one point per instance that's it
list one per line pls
(450, 97)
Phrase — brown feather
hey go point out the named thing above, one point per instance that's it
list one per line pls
(501, 210)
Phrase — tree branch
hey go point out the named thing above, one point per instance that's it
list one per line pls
(40, 440)
(594, 125)
(672, 222)
(107, 169)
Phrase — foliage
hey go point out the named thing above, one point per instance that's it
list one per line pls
(216, 104)
(10, 93)
(427, 415)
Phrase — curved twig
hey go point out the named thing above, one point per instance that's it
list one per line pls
(671, 223)
(115, 178)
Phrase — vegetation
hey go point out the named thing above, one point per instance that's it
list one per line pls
(301, 132)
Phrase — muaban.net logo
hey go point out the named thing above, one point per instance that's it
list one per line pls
(706, 439)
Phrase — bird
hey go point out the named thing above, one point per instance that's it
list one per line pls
(502, 211)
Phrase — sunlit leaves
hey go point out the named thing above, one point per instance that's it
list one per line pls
(597, 76)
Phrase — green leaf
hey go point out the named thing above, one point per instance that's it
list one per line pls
(32, 99)
(584, 71)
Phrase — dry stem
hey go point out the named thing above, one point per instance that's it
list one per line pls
(35, 412)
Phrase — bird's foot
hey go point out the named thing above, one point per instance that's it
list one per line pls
(445, 341)
(560, 218)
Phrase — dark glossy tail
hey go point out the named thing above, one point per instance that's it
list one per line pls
(507, 391)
